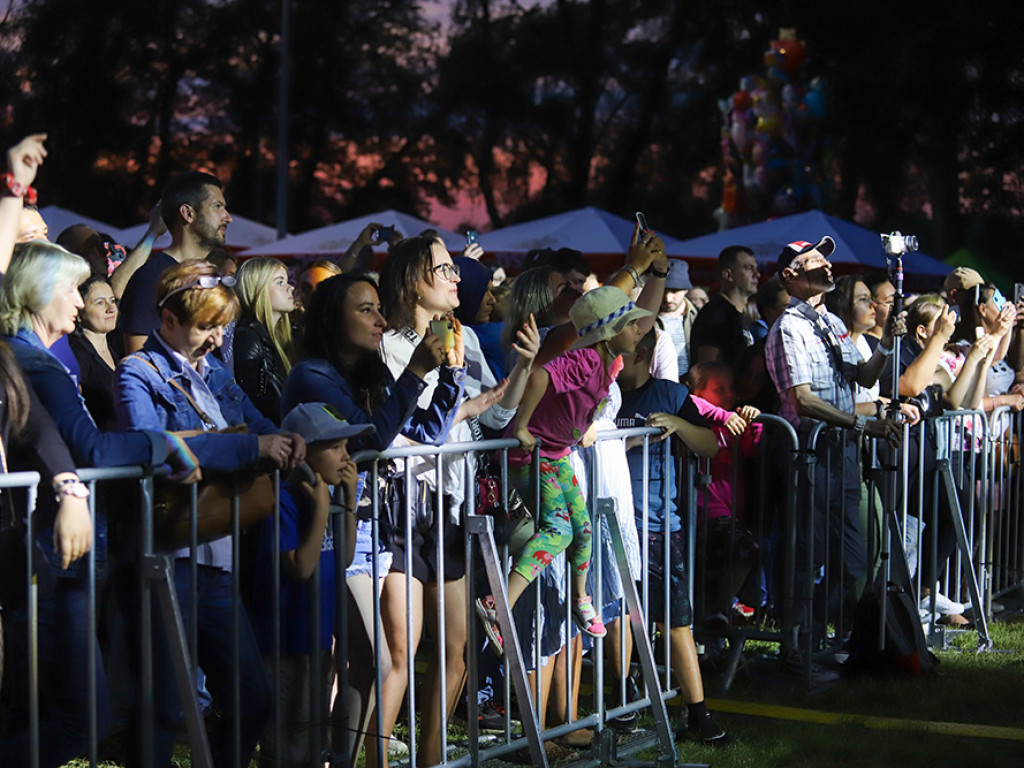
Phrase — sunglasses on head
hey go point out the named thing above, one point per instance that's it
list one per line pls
(204, 281)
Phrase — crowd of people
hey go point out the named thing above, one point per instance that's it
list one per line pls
(225, 372)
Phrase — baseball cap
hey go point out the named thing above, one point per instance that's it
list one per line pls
(962, 279)
(825, 247)
(319, 421)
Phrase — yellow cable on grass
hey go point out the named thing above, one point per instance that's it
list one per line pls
(868, 721)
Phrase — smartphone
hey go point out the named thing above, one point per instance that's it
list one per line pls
(384, 234)
(642, 221)
(443, 328)
(471, 236)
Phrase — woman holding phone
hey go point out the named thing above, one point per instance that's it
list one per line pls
(419, 291)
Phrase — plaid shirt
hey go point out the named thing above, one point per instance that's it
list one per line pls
(808, 347)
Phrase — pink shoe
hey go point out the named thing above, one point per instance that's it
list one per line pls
(587, 619)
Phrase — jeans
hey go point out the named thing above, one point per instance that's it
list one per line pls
(64, 703)
(215, 596)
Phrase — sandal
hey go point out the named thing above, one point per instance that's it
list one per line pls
(587, 619)
(488, 616)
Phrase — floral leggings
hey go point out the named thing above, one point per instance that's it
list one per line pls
(564, 519)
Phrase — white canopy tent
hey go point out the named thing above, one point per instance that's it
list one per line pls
(58, 219)
(242, 233)
(335, 239)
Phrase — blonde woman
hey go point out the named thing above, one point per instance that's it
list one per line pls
(262, 347)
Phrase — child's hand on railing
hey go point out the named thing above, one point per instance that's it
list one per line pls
(748, 412)
(736, 425)
(526, 441)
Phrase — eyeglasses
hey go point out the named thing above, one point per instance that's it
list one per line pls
(448, 271)
(204, 281)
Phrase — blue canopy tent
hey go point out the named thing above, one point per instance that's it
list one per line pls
(602, 236)
(857, 248)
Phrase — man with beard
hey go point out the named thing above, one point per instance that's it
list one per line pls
(196, 215)
(813, 362)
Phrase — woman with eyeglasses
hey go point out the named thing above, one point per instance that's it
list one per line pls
(97, 348)
(419, 286)
(263, 349)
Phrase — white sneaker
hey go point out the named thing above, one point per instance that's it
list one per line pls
(397, 748)
(943, 605)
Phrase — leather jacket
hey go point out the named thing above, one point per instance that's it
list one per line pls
(259, 370)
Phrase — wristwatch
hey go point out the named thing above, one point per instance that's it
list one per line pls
(70, 487)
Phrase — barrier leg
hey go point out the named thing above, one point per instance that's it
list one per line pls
(482, 528)
(643, 640)
(980, 621)
(159, 570)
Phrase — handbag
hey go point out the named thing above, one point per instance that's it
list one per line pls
(172, 507)
(393, 501)
(172, 510)
(513, 521)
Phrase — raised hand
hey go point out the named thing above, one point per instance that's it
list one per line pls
(25, 157)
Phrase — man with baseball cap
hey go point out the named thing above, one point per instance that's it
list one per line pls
(959, 280)
(814, 363)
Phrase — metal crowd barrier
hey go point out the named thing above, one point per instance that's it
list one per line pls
(978, 472)
(965, 479)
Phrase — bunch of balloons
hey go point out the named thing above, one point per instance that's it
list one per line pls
(772, 139)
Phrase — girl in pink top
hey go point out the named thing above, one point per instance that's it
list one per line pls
(558, 406)
(729, 550)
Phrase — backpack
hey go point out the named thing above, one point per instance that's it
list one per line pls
(906, 652)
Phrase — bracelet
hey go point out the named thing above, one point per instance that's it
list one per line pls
(885, 352)
(879, 409)
(631, 271)
(15, 189)
(659, 275)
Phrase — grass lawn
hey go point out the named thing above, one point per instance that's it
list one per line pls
(929, 720)
(969, 712)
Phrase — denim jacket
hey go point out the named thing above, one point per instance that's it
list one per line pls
(317, 380)
(146, 398)
(89, 447)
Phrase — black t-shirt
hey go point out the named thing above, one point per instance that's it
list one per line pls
(139, 315)
(718, 324)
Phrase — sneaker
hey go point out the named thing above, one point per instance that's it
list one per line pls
(707, 731)
(791, 663)
(742, 616)
(943, 605)
(492, 717)
(397, 749)
(997, 607)
(623, 723)
(587, 619)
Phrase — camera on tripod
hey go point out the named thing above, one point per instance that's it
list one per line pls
(896, 243)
